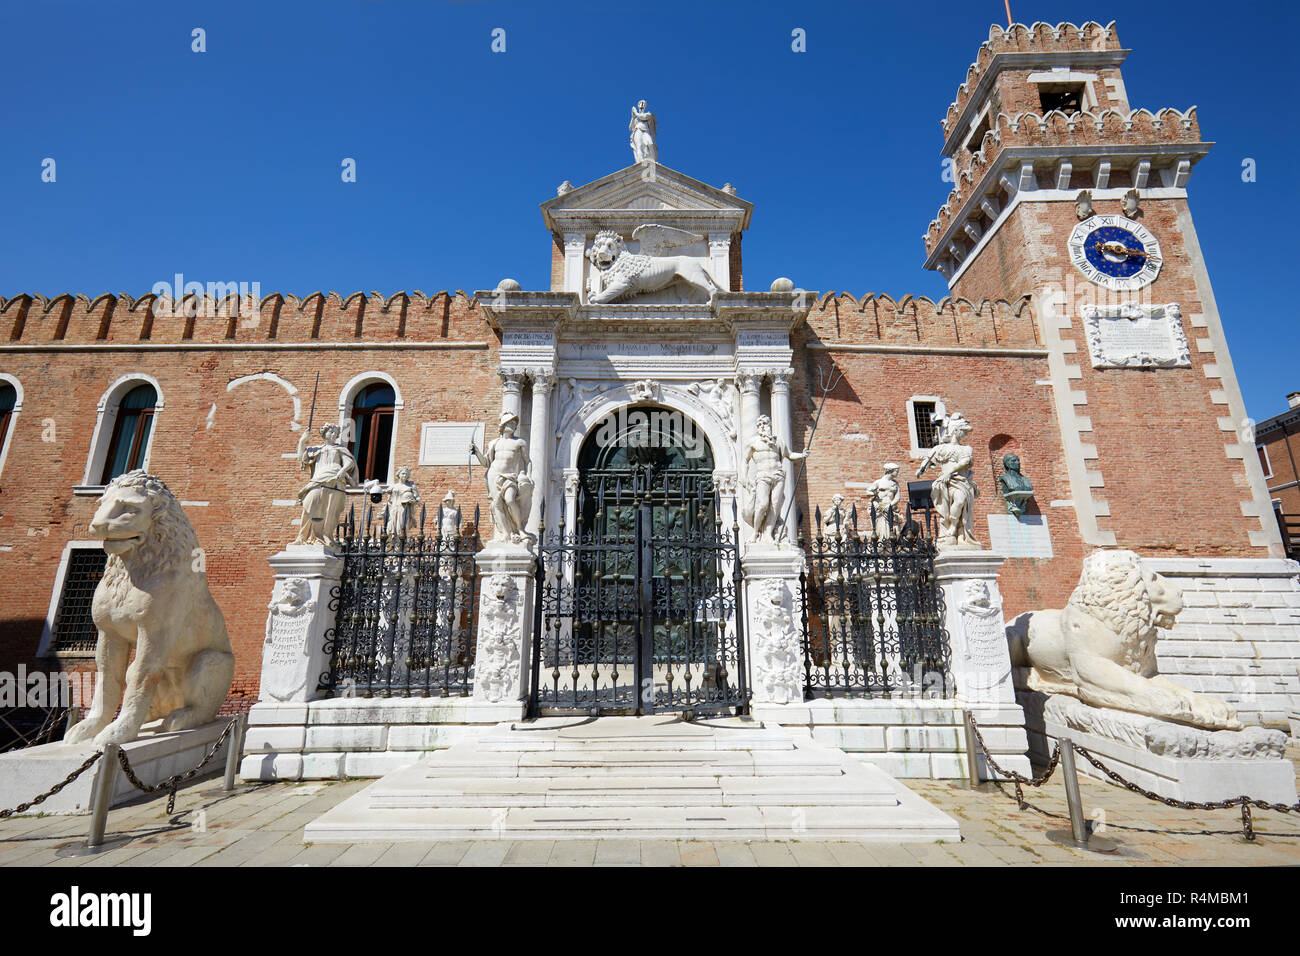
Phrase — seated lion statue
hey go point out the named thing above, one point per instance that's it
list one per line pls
(619, 273)
(1101, 647)
(153, 599)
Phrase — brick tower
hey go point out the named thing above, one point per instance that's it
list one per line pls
(1065, 193)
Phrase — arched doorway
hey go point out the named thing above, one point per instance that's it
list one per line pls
(637, 601)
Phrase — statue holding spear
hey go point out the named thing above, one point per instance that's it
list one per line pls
(333, 470)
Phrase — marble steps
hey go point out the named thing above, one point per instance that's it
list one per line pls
(641, 778)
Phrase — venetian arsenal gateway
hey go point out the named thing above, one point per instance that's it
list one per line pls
(664, 538)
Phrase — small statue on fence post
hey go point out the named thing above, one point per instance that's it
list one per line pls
(1015, 488)
(509, 485)
(953, 491)
(402, 497)
(835, 524)
(449, 522)
(885, 495)
(333, 470)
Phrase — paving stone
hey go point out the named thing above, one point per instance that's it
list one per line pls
(660, 853)
(732, 853)
(698, 853)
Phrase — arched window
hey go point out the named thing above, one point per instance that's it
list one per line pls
(130, 441)
(372, 425)
(8, 400)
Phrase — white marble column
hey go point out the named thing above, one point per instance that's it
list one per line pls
(539, 442)
(783, 429)
(749, 384)
(720, 259)
(512, 384)
(575, 244)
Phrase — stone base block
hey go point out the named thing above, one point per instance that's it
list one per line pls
(154, 757)
(1173, 760)
(911, 737)
(359, 737)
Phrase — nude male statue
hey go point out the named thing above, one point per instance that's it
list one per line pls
(765, 466)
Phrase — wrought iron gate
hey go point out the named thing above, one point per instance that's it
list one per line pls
(636, 608)
(407, 607)
(873, 611)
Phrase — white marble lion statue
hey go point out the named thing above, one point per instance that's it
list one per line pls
(618, 273)
(153, 599)
(1101, 647)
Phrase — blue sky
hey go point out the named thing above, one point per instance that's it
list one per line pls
(225, 165)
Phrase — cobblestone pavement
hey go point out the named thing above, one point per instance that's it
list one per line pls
(263, 825)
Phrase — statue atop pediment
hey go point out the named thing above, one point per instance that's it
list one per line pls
(643, 128)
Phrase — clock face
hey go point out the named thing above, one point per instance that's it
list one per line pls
(1115, 252)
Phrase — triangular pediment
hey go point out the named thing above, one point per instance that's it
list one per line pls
(630, 193)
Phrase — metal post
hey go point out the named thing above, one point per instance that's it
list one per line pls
(103, 795)
(1078, 826)
(235, 749)
(74, 718)
(972, 758)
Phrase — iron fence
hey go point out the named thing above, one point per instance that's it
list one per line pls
(406, 609)
(873, 613)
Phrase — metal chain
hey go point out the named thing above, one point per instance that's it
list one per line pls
(174, 781)
(24, 807)
(1247, 824)
(1245, 802)
(1019, 780)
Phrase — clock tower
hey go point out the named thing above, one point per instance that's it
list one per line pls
(1066, 194)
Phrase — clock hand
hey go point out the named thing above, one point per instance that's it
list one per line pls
(1117, 248)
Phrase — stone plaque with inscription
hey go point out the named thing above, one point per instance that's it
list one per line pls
(447, 443)
(1136, 336)
(1024, 537)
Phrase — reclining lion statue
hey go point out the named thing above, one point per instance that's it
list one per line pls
(618, 273)
(1101, 647)
(153, 598)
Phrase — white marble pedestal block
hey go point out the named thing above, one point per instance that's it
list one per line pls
(293, 658)
(1175, 760)
(772, 623)
(980, 659)
(501, 659)
(153, 756)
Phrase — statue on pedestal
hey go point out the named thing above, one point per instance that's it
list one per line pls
(885, 495)
(1101, 647)
(449, 525)
(953, 491)
(765, 482)
(835, 525)
(1014, 487)
(509, 484)
(333, 470)
(643, 128)
(402, 497)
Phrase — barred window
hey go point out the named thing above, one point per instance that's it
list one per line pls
(927, 430)
(73, 628)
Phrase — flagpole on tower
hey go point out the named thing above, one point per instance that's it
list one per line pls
(1007, 4)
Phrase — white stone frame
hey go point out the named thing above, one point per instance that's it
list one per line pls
(47, 632)
(1067, 77)
(612, 395)
(106, 418)
(349, 395)
(1179, 357)
(1259, 449)
(915, 450)
(13, 417)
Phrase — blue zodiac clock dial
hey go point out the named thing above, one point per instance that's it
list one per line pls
(1115, 252)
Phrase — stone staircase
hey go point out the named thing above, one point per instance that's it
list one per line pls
(637, 778)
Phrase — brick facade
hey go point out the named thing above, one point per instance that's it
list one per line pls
(1006, 350)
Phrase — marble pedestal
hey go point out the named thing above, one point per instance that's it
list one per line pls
(980, 664)
(1174, 760)
(505, 625)
(772, 626)
(293, 658)
(154, 757)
